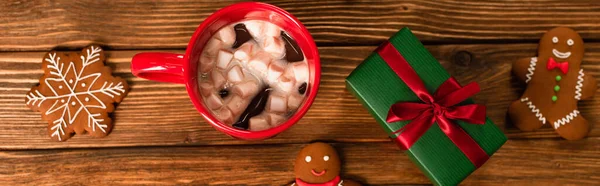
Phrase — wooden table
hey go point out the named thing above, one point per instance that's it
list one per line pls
(159, 138)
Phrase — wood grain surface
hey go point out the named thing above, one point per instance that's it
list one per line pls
(519, 162)
(40, 25)
(160, 139)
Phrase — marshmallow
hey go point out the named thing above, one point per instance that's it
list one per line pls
(213, 101)
(258, 29)
(274, 72)
(223, 59)
(259, 123)
(255, 28)
(212, 47)
(274, 46)
(226, 35)
(299, 71)
(275, 119)
(294, 101)
(271, 30)
(207, 63)
(218, 79)
(235, 74)
(245, 89)
(206, 88)
(244, 52)
(237, 105)
(206, 59)
(224, 115)
(277, 104)
(260, 62)
(286, 84)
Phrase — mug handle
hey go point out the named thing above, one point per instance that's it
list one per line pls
(159, 66)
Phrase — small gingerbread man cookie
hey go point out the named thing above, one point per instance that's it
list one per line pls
(555, 83)
(318, 164)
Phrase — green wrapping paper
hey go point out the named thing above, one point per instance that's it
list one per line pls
(378, 87)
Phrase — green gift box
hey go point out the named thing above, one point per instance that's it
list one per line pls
(378, 85)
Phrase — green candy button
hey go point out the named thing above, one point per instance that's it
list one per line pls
(558, 78)
(556, 88)
(554, 98)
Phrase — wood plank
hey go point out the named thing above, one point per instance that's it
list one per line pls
(147, 116)
(40, 25)
(519, 162)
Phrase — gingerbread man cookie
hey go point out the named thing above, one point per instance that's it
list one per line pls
(555, 83)
(318, 164)
(76, 93)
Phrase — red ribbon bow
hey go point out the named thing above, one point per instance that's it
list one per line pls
(563, 66)
(440, 108)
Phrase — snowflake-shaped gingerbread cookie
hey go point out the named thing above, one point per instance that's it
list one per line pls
(76, 93)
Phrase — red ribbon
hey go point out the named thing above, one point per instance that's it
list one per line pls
(440, 108)
(563, 66)
(333, 182)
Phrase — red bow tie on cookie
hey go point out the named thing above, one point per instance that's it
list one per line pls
(334, 182)
(563, 66)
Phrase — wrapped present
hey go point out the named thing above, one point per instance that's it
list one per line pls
(424, 110)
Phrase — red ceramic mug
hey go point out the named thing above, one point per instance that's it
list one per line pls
(183, 68)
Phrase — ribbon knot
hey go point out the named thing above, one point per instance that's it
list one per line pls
(438, 110)
(442, 107)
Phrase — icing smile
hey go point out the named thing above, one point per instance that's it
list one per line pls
(561, 54)
(317, 173)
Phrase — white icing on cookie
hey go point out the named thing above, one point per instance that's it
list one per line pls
(579, 85)
(570, 42)
(566, 119)
(562, 55)
(531, 69)
(535, 110)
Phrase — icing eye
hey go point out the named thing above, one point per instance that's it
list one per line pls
(307, 159)
(326, 158)
(570, 42)
(555, 39)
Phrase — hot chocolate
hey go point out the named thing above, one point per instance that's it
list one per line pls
(253, 75)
